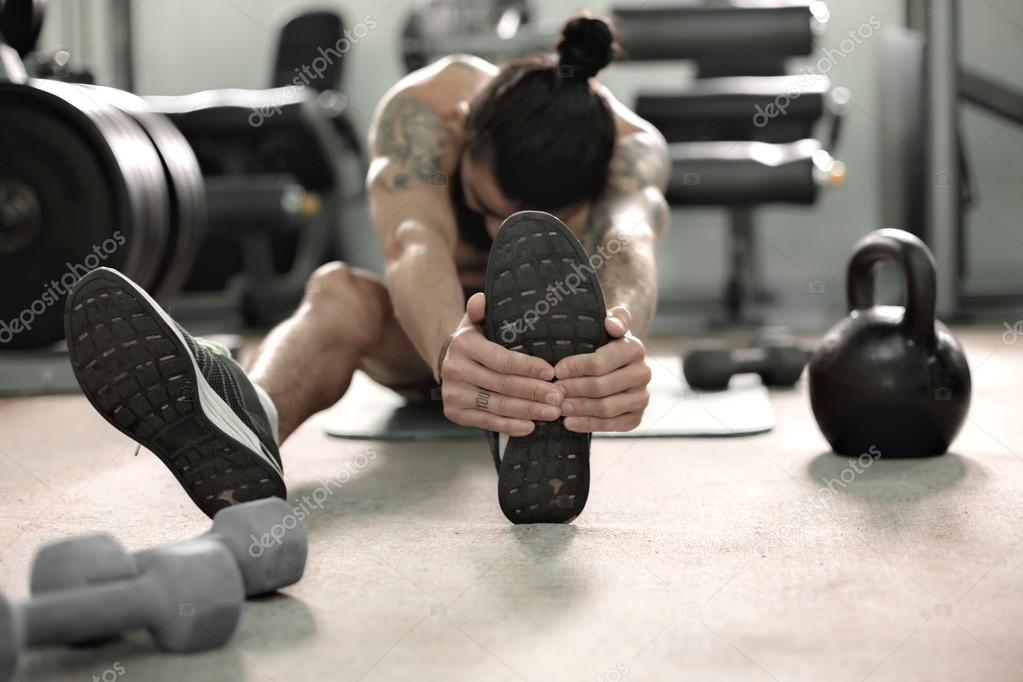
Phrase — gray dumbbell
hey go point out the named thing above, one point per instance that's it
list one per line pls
(267, 540)
(188, 596)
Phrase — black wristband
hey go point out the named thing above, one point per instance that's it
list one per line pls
(443, 352)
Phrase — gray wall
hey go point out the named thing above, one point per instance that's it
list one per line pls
(992, 43)
(188, 45)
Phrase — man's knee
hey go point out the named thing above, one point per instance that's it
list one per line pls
(358, 297)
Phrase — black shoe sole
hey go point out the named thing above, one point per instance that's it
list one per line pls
(543, 477)
(138, 373)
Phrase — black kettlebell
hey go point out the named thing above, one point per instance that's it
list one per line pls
(886, 377)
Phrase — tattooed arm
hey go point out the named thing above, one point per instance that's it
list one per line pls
(626, 221)
(412, 152)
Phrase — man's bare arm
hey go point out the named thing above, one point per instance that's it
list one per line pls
(625, 223)
(411, 146)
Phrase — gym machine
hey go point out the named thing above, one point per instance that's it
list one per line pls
(743, 135)
(304, 39)
(270, 158)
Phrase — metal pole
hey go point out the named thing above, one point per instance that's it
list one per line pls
(122, 50)
(743, 282)
(942, 165)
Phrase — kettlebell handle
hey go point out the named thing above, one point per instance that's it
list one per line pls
(917, 264)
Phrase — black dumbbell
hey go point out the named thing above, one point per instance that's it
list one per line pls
(188, 596)
(266, 538)
(776, 357)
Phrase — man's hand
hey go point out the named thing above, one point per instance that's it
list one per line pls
(606, 390)
(488, 386)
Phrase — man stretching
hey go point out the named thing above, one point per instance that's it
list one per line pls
(532, 339)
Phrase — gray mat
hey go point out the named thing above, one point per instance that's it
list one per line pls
(372, 412)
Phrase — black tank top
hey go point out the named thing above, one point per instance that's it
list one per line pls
(472, 229)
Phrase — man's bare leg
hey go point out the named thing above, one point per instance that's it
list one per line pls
(345, 322)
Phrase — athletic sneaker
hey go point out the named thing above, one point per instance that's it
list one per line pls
(543, 299)
(181, 397)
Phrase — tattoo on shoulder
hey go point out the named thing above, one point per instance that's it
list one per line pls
(639, 173)
(600, 219)
(416, 140)
(640, 161)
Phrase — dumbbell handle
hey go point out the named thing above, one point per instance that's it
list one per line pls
(82, 614)
(256, 583)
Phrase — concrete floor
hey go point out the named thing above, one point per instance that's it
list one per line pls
(695, 559)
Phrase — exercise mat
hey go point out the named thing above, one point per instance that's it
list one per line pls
(371, 412)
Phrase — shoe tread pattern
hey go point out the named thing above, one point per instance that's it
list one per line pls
(543, 477)
(137, 374)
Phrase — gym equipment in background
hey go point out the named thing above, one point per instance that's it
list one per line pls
(926, 183)
(266, 538)
(777, 358)
(302, 39)
(743, 135)
(225, 226)
(188, 196)
(886, 378)
(308, 39)
(94, 176)
(505, 29)
(82, 186)
(273, 159)
(21, 21)
(285, 160)
(188, 596)
(485, 28)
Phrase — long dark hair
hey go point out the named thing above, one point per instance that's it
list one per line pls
(546, 134)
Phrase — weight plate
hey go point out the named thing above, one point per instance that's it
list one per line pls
(154, 227)
(187, 226)
(90, 193)
(143, 168)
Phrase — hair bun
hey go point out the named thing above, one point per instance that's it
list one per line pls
(587, 45)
